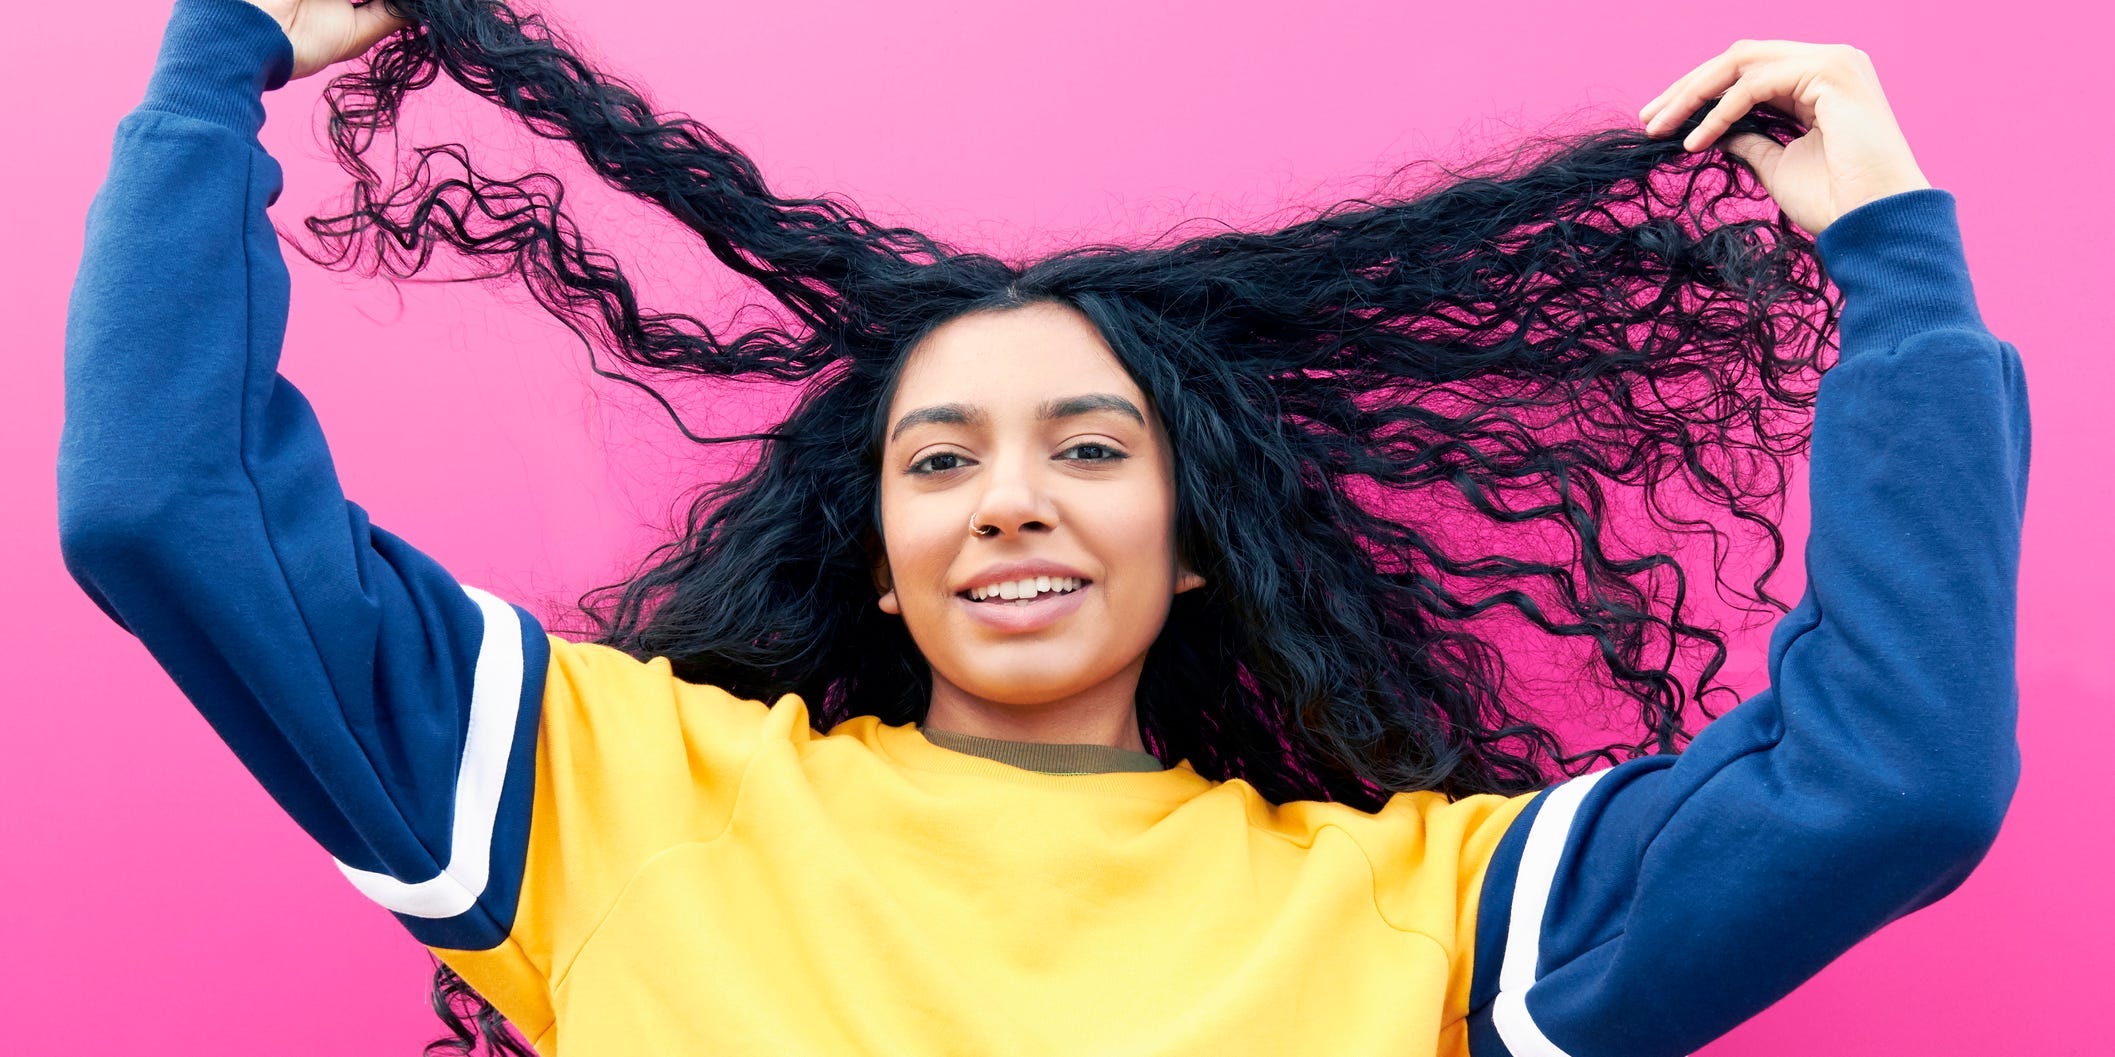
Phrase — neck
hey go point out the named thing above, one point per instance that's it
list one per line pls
(1102, 715)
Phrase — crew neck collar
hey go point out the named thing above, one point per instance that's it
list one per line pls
(1143, 776)
(1047, 757)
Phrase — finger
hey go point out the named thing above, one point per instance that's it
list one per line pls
(372, 22)
(1710, 80)
(1735, 103)
(1759, 153)
(1775, 83)
(1652, 112)
(1694, 92)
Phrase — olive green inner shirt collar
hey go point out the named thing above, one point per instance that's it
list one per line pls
(1049, 758)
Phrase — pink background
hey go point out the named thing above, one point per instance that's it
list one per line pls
(154, 900)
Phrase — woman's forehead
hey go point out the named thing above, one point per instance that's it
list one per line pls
(1011, 361)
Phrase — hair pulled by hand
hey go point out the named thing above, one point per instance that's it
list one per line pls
(327, 32)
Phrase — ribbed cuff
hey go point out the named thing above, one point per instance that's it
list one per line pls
(218, 58)
(1902, 270)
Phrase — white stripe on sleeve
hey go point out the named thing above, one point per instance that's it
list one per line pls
(495, 702)
(1531, 894)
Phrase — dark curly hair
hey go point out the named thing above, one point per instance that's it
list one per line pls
(1382, 388)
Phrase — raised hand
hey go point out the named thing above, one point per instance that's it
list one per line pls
(1853, 151)
(325, 32)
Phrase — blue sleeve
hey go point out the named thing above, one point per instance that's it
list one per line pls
(391, 711)
(1650, 907)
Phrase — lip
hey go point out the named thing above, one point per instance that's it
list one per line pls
(1019, 570)
(1015, 618)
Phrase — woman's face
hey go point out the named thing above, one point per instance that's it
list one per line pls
(1023, 421)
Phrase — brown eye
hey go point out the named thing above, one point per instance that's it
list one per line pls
(928, 460)
(1096, 453)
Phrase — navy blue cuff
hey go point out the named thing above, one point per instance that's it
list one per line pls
(218, 58)
(1902, 270)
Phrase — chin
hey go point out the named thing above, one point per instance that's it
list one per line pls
(1021, 681)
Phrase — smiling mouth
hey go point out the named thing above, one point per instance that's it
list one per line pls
(1046, 588)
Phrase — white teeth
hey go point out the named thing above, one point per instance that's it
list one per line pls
(1025, 589)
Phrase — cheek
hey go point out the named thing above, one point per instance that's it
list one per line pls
(919, 545)
(1134, 537)
(1138, 537)
(1143, 518)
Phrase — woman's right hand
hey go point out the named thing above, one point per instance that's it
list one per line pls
(325, 32)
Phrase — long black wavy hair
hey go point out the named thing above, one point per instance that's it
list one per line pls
(1504, 347)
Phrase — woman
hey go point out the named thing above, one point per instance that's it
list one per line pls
(1034, 532)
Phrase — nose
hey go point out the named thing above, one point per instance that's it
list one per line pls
(1015, 499)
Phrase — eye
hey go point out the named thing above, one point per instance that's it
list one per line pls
(928, 460)
(1096, 453)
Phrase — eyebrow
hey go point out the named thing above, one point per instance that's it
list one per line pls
(1048, 410)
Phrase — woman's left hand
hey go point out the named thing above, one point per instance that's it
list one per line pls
(1853, 151)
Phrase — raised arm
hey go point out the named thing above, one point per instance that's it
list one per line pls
(391, 711)
(1649, 908)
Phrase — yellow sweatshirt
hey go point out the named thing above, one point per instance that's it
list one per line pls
(705, 874)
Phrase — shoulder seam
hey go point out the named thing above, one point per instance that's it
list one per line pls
(559, 976)
(1373, 884)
